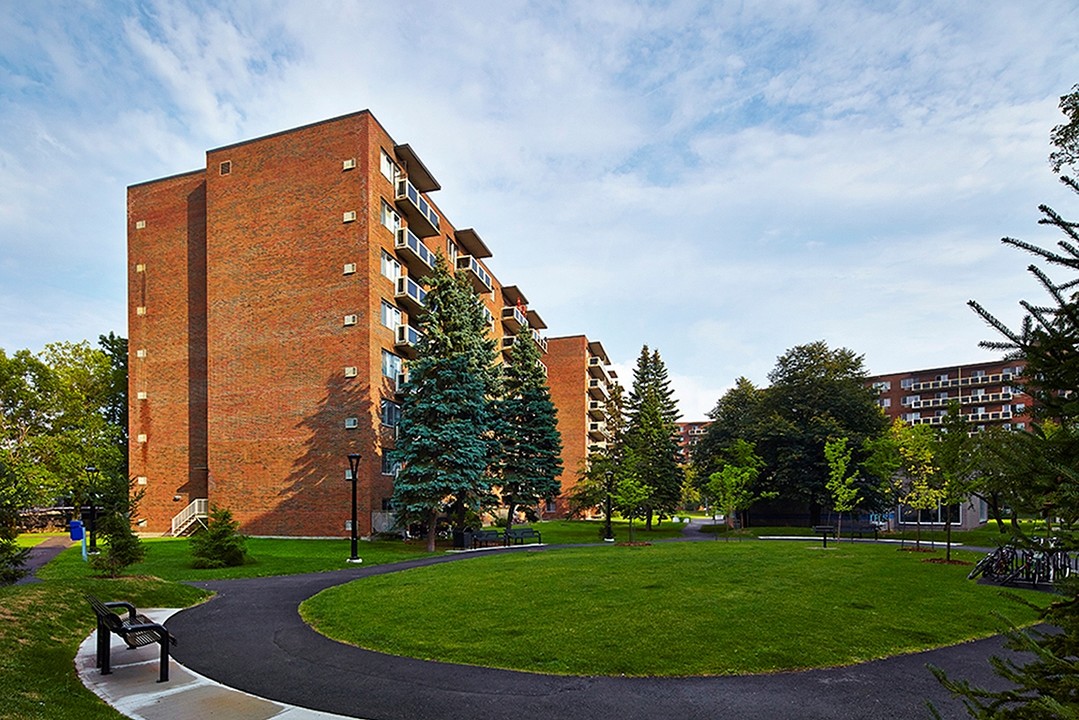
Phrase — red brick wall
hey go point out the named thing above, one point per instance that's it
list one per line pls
(166, 268)
(567, 375)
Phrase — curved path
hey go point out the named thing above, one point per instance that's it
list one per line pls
(251, 637)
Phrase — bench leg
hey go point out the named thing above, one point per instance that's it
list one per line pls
(104, 649)
(164, 642)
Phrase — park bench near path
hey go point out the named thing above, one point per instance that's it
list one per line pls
(519, 536)
(485, 538)
(136, 630)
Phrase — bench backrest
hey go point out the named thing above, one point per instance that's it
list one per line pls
(110, 619)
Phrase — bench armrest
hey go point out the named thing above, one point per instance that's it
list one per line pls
(123, 604)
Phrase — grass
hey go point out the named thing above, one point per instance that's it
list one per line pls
(170, 559)
(575, 532)
(32, 539)
(41, 627)
(670, 609)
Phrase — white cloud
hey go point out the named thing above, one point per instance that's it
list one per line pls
(721, 182)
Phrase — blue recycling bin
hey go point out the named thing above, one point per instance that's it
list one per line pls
(76, 530)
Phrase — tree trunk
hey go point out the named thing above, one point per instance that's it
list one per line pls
(432, 530)
(648, 520)
(814, 513)
(510, 507)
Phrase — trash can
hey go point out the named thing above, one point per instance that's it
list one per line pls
(76, 529)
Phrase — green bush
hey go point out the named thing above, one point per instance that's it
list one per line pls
(219, 544)
(122, 546)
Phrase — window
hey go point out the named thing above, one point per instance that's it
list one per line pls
(391, 316)
(885, 402)
(391, 365)
(390, 267)
(942, 396)
(389, 467)
(906, 383)
(1020, 426)
(390, 218)
(226, 167)
(389, 169)
(1020, 408)
(882, 386)
(942, 378)
(935, 516)
(391, 413)
(911, 399)
(349, 268)
(451, 251)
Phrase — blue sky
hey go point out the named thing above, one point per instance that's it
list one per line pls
(719, 180)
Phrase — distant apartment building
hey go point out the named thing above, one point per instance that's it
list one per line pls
(689, 434)
(273, 297)
(581, 380)
(988, 395)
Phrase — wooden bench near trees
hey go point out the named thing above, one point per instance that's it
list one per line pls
(135, 629)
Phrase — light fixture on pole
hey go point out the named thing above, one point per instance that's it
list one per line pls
(91, 475)
(354, 477)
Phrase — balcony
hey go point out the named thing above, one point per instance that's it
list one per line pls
(417, 256)
(597, 431)
(480, 278)
(399, 383)
(542, 367)
(422, 218)
(540, 340)
(972, 381)
(595, 368)
(407, 339)
(596, 409)
(488, 316)
(513, 319)
(409, 294)
(597, 389)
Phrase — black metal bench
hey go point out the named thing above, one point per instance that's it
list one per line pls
(136, 630)
(518, 536)
(824, 531)
(483, 538)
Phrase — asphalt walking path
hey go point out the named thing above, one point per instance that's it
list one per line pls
(250, 636)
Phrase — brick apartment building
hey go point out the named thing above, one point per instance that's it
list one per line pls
(689, 434)
(580, 379)
(988, 394)
(272, 301)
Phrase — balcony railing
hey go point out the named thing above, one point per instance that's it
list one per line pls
(963, 400)
(409, 294)
(972, 381)
(597, 431)
(418, 257)
(597, 388)
(422, 218)
(513, 318)
(540, 340)
(595, 368)
(407, 339)
(480, 278)
(596, 409)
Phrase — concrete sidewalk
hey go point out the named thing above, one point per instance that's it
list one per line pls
(132, 687)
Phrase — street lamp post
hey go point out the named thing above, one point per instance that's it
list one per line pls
(353, 476)
(91, 474)
(608, 535)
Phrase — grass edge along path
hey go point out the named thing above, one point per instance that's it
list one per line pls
(668, 610)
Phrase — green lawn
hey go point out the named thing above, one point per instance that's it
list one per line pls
(170, 559)
(42, 626)
(668, 609)
(573, 532)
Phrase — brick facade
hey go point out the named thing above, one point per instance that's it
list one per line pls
(261, 314)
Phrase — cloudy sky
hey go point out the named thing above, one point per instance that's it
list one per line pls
(719, 180)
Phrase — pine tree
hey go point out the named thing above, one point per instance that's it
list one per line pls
(651, 445)
(1045, 687)
(605, 465)
(444, 439)
(530, 446)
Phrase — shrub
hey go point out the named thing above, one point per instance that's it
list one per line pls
(219, 544)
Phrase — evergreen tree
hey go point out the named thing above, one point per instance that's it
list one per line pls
(605, 465)
(530, 456)
(219, 544)
(735, 417)
(12, 557)
(1045, 687)
(444, 436)
(651, 436)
